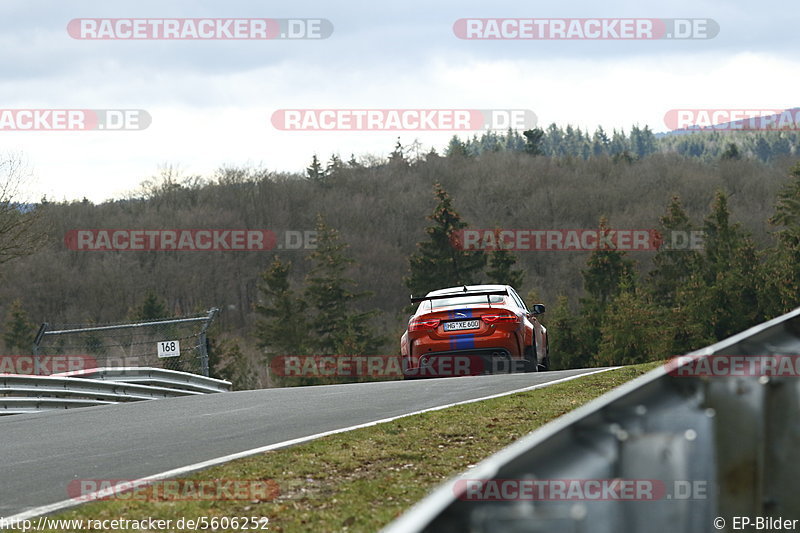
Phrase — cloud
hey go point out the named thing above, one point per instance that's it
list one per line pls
(211, 101)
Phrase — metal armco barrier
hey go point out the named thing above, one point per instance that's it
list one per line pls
(32, 394)
(722, 451)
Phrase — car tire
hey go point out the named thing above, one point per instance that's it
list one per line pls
(545, 366)
(530, 359)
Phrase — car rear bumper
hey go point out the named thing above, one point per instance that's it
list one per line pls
(468, 362)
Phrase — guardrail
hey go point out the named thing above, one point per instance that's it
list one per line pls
(721, 450)
(32, 394)
(154, 376)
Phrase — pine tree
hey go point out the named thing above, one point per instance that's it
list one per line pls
(731, 152)
(438, 262)
(722, 295)
(353, 162)
(563, 331)
(153, 308)
(283, 327)
(606, 272)
(782, 285)
(501, 269)
(315, 172)
(674, 261)
(456, 148)
(338, 328)
(533, 141)
(398, 157)
(235, 366)
(20, 331)
(600, 142)
(633, 330)
(335, 165)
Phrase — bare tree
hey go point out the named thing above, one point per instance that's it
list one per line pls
(22, 230)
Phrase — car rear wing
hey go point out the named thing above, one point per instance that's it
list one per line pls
(417, 299)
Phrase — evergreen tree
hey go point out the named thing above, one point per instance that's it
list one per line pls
(20, 331)
(353, 163)
(763, 149)
(633, 330)
(722, 294)
(338, 328)
(607, 269)
(456, 148)
(335, 165)
(533, 141)
(619, 143)
(600, 142)
(283, 327)
(315, 172)
(731, 152)
(782, 287)
(153, 308)
(501, 269)
(643, 141)
(234, 365)
(674, 262)
(563, 333)
(440, 262)
(607, 272)
(398, 157)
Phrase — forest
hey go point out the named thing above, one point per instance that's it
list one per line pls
(382, 226)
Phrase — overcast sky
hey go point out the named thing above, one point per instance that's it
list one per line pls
(211, 101)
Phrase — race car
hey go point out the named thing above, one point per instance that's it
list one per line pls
(475, 329)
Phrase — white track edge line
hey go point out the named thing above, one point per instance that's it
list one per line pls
(66, 504)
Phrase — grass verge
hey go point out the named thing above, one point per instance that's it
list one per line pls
(361, 480)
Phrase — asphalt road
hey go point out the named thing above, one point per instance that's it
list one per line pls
(43, 452)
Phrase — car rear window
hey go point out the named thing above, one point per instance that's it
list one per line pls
(464, 300)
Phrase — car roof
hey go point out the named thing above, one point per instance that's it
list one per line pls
(470, 288)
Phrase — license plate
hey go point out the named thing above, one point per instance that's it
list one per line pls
(464, 324)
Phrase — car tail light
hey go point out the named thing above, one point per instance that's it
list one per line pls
(497, 319)
(423, 323)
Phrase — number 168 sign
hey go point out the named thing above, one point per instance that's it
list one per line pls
(169, 349)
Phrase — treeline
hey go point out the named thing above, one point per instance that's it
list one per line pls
(691, 298)
(379, 209)
(555, 141)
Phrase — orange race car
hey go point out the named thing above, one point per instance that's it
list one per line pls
(471, 330)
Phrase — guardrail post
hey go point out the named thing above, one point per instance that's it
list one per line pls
(38, 338)
(203, 341)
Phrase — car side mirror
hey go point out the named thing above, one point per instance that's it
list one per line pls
(538, 309)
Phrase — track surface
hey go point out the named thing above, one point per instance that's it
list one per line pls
(43, 452)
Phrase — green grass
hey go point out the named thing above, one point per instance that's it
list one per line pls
(363, 479)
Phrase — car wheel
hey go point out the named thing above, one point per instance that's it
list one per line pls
(530, 359)
(545, 366)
